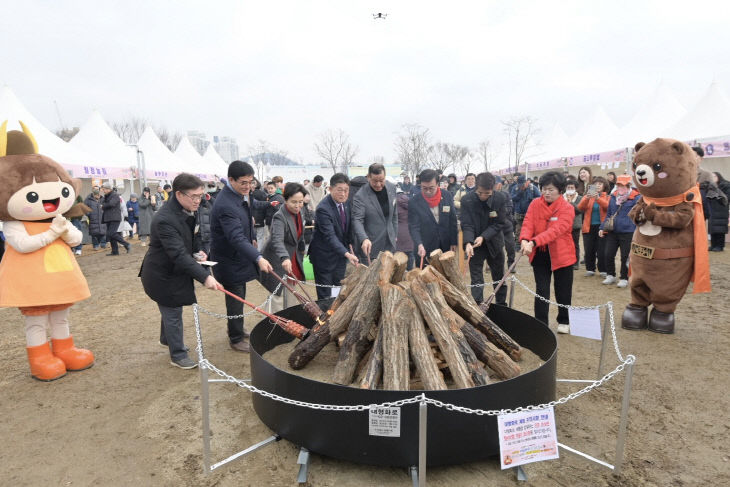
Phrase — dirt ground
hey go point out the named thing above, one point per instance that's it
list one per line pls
(133, 419)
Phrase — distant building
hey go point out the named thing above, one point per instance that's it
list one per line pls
(199, 140)
(226, 147)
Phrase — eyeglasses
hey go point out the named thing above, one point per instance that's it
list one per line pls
(248, 182)
(484, 194)
(195, 198)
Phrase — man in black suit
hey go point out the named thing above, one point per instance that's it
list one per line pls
(329, 251)
(169, 267)
(232, 244)
(483, 219)
(432, 217)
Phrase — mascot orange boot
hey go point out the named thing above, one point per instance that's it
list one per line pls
(38, 272)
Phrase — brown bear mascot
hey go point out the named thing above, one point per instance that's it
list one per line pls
(669, 247)
(38, 272)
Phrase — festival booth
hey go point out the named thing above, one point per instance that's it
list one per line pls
(193, 162)
(215, 163)
(160, 164)
(76, 161)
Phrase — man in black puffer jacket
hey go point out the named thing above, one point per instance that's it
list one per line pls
(113, 218)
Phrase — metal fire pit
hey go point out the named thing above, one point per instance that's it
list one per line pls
(453, 437)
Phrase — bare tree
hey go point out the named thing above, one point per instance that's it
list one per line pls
(412, 146)
(335, 148)
(438, 156)
(485, 154)
(519, 131)
(460, 157)
(167, 137)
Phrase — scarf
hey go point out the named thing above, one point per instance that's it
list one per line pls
(433, 201)
(701, 272)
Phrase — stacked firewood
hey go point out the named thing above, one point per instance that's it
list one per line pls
(388, 321)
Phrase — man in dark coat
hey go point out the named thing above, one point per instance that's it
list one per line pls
(97, 230)
(432, 217)
(374, 214)
(232, 245)
(330, 247)
(169, 267)
(112, 205)
(483, 218)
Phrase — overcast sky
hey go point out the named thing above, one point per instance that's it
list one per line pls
(286, 71)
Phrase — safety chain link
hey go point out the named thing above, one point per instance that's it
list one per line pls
(541, 298)
(205, 363)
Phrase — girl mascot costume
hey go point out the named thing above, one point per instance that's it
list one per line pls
(39, 274)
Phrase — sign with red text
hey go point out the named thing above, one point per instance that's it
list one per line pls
(526, 437)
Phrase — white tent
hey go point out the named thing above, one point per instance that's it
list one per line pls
(72, 158)
(214, 162)
(709, 118)
(596, 135)
(160, 163)
(660, 111)
(192, 161)
(98, 139)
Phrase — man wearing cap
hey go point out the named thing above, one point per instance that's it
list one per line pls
(112, 206)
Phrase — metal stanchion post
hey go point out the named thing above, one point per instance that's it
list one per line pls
(604, 337)
(621, 440)
(422, 432)
(285, 293)
(205, 408)
(512, 292)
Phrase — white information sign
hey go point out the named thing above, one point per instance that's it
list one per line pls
(334, 292)
(526, 437)
(384, 421)
(585, 323)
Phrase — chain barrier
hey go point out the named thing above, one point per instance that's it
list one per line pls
(205, 363)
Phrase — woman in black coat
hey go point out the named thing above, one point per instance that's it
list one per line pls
(285, 248)
(97, 229)
(717, 223)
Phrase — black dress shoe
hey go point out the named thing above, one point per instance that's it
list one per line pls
(661, 322)
(129, 248)
(634, 317)
(113, 253)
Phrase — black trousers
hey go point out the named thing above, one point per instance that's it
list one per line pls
(330, 276)
(576, 242)
(114, 237)
(563, 287)
(595, 250)
(171, 331)
(496, 268)
(717, 240)
(615, 241)
(235, 308)
(509, 246)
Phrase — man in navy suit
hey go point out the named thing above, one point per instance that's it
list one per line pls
(330, 247)
(432, 217)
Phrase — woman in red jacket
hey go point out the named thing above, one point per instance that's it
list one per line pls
(594, 206)
(546, 237)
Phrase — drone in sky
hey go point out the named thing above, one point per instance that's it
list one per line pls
(380, 16)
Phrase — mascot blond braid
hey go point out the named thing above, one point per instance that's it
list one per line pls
(38, 273)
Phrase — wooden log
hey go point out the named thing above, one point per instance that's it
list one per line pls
(433, 260)
(451, 350)
(373, 371)
(488, 353)
(364, 317)
(396, 311)
(455, 324)
(412, 274)
(329, 328)
(451, 271)
(421, 352)
(387, 266)
(465, 306)
(401, 260)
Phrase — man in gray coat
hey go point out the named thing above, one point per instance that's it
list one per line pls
(374, 215)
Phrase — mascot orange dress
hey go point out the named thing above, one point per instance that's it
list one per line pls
(38, 273)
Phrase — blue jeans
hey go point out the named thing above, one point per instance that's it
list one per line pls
(77, 223)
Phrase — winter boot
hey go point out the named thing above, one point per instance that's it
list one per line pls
(43, 365)
(634, 317)
(74, 358)
(661, 322)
